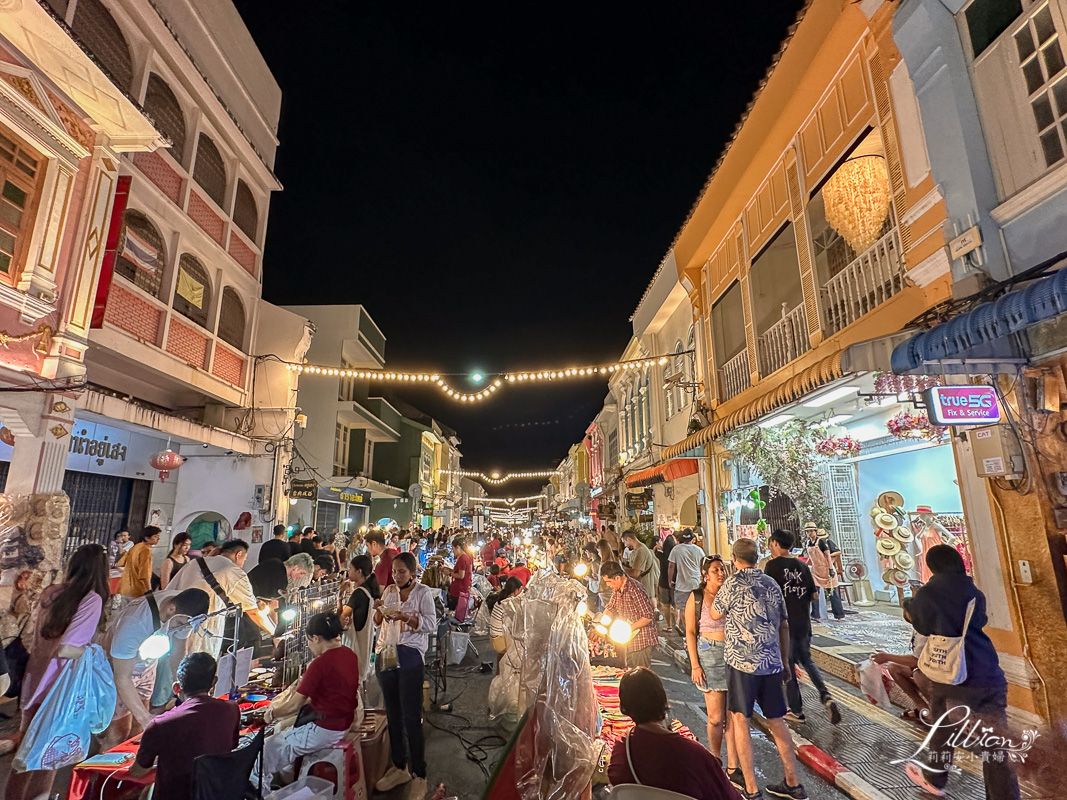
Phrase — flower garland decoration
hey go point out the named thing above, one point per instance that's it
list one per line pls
(888, 383)
(906, 425)
(838, 447)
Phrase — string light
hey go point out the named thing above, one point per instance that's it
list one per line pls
(496, 478)
(435, 379)
(509, 500)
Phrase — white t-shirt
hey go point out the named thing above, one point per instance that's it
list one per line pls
(134, 624)
(686, 559)
(233, 580)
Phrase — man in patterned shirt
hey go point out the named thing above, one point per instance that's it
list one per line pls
(630, 602)
(757, 633)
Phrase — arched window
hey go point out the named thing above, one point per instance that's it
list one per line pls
(142, 256)
(165, 110)
(192, 294)
(232, 318)
(98, 31)
(245, 214)
(209, 170)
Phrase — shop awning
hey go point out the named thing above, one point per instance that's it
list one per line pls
(646, 477)
(983, 335)
(680, 468)
(819, 374)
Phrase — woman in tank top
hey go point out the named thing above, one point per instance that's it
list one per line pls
(176, 559)
(705, 639)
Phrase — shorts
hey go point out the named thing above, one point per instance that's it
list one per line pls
(680, 598)
(744, 690)
(712, 658)
(665, 595)
(144, 680)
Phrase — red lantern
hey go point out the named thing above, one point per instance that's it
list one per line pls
(165, 461)
(7, 437)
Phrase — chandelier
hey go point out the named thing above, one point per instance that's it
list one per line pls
(856, 198)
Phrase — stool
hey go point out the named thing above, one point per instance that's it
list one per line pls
(342, 765)
(844, 587)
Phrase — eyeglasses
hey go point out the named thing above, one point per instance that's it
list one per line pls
(709, 560)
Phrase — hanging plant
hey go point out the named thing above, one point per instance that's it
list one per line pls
(838, 447)
(785, 459)
(907, 425)
(888, 383)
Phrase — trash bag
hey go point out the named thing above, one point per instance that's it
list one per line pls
(873, 683)
(458, 642)
(80, 703)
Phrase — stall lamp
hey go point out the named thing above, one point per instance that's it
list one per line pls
(264, 616)
(293, 501)
(526, 540)
(317, 603)
(677, 525)
(155, 646)
(346, 521)
(605, 620)
(601, 629)
(620, 631)
(583, 608)
(363, 528)
(581, 569)
(473, 548)
(516, 540)
(289, 614)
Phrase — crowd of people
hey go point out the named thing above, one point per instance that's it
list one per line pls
(746, 625)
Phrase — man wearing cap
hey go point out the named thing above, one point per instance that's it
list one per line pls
(821, 551)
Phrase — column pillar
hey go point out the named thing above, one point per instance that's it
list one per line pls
(41, 424)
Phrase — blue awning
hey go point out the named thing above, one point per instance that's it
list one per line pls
(984, 335)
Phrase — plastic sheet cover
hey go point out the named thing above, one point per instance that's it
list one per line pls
(553, 675)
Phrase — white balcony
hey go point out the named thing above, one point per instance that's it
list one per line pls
(784, 341)
(872, 278)
(734, 376)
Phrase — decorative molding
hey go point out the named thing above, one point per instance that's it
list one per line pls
(30, 308)
(930, 268)
(931, 199)
(46, 129)
(1033, 195)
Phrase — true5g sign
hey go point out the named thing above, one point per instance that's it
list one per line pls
(962, 405)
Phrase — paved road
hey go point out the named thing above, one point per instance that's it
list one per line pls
(687, 705)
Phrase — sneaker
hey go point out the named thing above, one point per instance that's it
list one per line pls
(783, 790)
(737, 777)
(756, 795)
(418, 789)
(835, 712)
(393, 777)
(917, 775)
(791, 717)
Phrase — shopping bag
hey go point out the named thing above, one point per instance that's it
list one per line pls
(80, 703)
(942, 658)
(872, 684)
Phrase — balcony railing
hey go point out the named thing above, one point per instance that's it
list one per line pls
(784, 341)
(871, 279)
(734, 376)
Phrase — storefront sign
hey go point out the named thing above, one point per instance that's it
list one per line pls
(304, 490)
(962, 405)
(344, 495)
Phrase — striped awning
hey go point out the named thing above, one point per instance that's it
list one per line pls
(819, 374)
(646, 477)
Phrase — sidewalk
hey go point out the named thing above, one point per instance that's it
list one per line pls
(855, 755)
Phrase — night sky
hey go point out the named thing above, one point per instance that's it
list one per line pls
(498, 190)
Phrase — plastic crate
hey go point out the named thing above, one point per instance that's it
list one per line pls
(321, 789)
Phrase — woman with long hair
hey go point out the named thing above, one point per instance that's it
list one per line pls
(494, 603)
(69, 614)
(356, 617)
(604, 550)
(705, 639)
(176, 559)
(136, 578)
(407, 616)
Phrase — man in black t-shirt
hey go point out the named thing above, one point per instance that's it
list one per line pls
(278, 547)
(798, 587)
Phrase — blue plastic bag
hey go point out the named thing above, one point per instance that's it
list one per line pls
(80, 703)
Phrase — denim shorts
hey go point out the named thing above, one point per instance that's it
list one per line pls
(710, 654)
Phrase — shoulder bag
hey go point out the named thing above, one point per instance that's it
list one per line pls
(943, 658)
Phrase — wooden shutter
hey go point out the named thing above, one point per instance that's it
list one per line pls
(746, 303)
(797, 208)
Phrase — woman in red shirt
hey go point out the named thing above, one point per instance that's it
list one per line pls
(325, 699)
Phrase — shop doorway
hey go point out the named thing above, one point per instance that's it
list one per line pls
(327, 517)
(101, 505)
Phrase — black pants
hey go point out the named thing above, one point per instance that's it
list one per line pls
(800, 653)
(835, 604)
(989, 704)
(402, 692)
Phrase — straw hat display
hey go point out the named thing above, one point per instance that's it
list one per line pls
(876, 511)
(887, 546)
(890, 500)
(886, 522)
(904, 560)
(903, 534)
(895, 577)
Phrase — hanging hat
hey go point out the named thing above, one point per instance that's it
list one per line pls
(886, 522)
(903, 534)
(895, 577)
(923, 510)
(877, 510)
(810, 526)
(904, 560)
(887, 546)
(890, 499)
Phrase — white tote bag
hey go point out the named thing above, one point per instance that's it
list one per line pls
(942, 659)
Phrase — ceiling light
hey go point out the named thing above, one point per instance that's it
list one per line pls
(830, 396)
(770, 423)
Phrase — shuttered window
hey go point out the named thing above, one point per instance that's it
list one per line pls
(97, 30)
(245, 213)
(163, 107)
(209, 170)
(232, 318)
